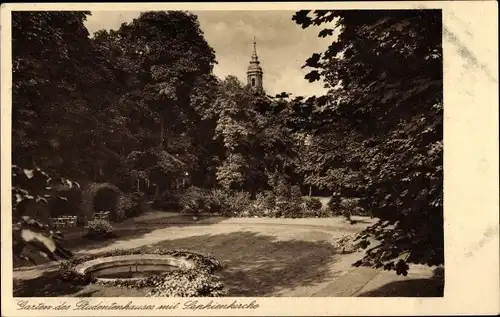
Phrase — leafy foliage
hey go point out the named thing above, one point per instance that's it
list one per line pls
(136, 93)
(35, 185)
(195, 200)
(384, 114)
(140, 107)
(99, 228)
(314, 204)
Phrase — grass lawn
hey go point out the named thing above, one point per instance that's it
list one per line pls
(262, 257)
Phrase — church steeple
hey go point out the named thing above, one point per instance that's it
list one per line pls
(254, 72)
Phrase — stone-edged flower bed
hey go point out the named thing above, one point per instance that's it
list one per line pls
(180, 282)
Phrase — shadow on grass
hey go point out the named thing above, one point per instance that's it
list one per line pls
(255, 265)
(258, 265)
(47, 285)
(422, 287)
(127, 230)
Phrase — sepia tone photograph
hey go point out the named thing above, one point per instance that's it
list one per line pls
(201, 158)
(227, 153)
(275, 153)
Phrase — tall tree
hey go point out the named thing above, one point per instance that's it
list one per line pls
(163, 57)
(384, 74)
(63, 89)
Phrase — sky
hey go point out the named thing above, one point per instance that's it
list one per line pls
(282, 45)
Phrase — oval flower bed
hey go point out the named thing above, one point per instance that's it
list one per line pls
(191, 281)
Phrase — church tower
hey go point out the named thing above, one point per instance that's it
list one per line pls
(254, 72)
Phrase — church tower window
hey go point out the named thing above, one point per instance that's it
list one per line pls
(254, 71)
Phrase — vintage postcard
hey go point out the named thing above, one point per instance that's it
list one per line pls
(250, 159)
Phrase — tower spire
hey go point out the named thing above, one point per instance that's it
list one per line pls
(254, 72)
(254, 55)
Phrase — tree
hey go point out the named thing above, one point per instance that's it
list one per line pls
(64, 90)
(236, 128)
(163, 59)
(384, 74)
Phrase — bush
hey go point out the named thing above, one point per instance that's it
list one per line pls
(283, 190)
(322, 213)
(334, 204)
(137, 205)
(291, 209)
(240, 203)
(137, 197)
(106, 198)
(218, 201)
(169, 200)
(313, 204)
(189, 283)
(123, 207)
(264, 205)
(99, 228)
(92, 191)
(195, 200)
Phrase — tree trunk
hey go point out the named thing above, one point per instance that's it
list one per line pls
(310, 190)
(157, 191)
(162, 130)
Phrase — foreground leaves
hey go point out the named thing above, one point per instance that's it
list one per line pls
(381, 133)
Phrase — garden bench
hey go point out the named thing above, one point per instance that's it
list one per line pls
(103, 215)
(64, 221)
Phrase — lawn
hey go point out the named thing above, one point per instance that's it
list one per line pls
(262, 257)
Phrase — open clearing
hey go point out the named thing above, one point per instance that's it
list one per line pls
(262, 257)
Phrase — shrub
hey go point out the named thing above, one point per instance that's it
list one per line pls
(264, 205)
(137, 196)
(322, 213)
(195, 200)
(283, 190)
(334, 204)
(106, 198)
(291, 209)
(91, 191)
(136, 206)
(169, 200)
(188, 283)
(99, 228)
(218, 201)
(123, 207)
(313, 204)
(239, 203)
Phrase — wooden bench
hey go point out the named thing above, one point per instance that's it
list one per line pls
(64, 222)
(103, 215)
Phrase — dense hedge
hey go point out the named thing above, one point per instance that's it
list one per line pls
(287, 202)
(109, 197)
(181, 282)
